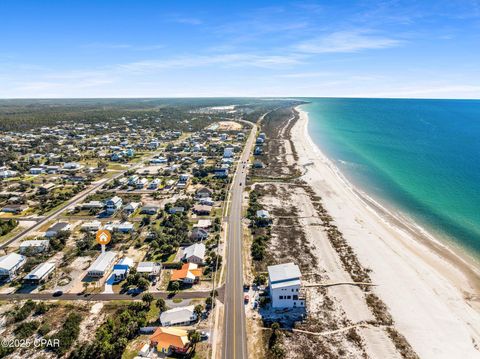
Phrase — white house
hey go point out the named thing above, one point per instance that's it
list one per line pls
(34, 246)
(10, 264)
(152, 269)
(121, 269)
(194, 253)
(284, 286)
(113, 204)
(125, 227)
(178, 316)
(40, 273)
(91, 226)
(102, 264)
(92, 205)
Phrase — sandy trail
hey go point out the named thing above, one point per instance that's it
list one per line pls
(424, 291)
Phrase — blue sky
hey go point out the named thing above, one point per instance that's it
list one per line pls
(425, 49)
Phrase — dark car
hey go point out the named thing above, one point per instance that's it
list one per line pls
(57, 293)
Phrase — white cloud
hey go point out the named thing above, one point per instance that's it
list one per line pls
(227, 60)
(347, 41)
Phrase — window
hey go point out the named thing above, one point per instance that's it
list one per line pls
(280, 297)
(295, 297)
(289, 297)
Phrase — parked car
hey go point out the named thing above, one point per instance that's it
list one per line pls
(246, 298)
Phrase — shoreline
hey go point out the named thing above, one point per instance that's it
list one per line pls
(439, 309)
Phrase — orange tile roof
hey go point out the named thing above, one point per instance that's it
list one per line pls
(165, 338)
(182, 273)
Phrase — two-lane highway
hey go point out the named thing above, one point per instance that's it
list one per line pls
(234, 343)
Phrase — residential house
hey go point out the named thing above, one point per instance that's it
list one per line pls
(14, 208)
(121, 269)
(202, 209)
(141, 183)
(170, 340)
(228, 152)
(36, 171)
(40, 273)
(132, 180)
(174, 210)
(203, 223)
(194, 253)
(221, 172)
(285, 286)
(152, 269)
(149, 209)
(113, 205)
(101, 265)
(178, 316)
(8, 173)
(263, 214)
(199, 234)
(188, 274)
(124, 227)
(92, 205)
(154, 184)
(57, 228)
(204, 192)
(91, 226)
(131, 207)
(34, 246)
(10, 264)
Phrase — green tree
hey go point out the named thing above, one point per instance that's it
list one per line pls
(147, 298)
(160, 304)
(143, 283)
(175, 287)
(198, 310)
(194, 338)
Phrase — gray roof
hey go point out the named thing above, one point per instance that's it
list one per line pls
(10, 261)
(284, 275)
(197, 250)
(41, 270)
(177, 315)
(102, 262)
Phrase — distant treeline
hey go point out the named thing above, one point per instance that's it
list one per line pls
(17, 115)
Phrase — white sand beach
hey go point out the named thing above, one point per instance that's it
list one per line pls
(432, 294)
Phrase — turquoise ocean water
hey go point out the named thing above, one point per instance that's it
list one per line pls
(421, 157)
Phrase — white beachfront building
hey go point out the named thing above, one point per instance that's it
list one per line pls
(285, 286)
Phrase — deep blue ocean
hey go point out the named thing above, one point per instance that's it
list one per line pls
(421, 157)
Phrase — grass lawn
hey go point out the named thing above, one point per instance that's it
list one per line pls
(153, 313)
